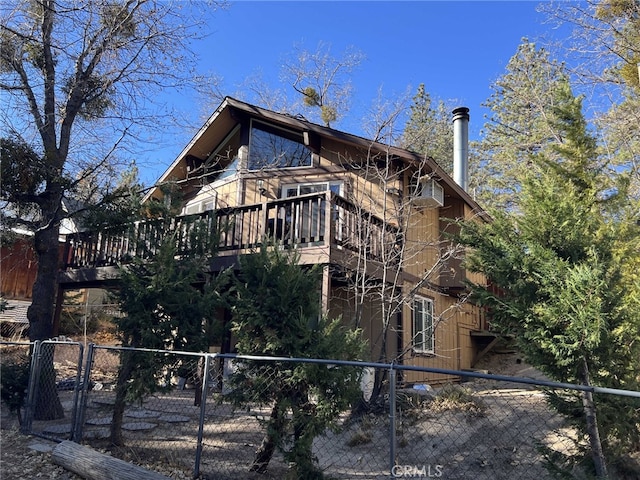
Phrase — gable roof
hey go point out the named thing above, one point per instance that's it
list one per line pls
(228, 113)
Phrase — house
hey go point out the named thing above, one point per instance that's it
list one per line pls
(373, 216)
(19, 265)
(18, 271)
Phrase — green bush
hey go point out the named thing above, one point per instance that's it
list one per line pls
(14, 384)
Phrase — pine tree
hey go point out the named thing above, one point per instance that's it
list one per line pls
(603, 54)
(521, 124)
(562, 266)
(169, 304)
(429, 130)
(276, 313)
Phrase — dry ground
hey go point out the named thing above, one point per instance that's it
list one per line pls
(26, 457)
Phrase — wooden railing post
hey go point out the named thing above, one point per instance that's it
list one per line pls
(265, 220)
(330, 234)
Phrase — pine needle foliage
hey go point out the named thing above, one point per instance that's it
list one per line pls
(276, 312)
(169, 304)
(562, 282)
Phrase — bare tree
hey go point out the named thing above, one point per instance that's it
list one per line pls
(78, 79)
(321, 85)
(323, 80)
(260, 92)
(429, 130)
(604, 45)
(389, 241)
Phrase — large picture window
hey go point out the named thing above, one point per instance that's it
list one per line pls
(275, 148)
(423, 325)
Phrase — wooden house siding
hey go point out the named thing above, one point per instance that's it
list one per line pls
(18, 268)
(454, 347)
(343, 305)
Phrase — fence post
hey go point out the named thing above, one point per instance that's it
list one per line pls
(203, 406)
(79, 417)
(77, 389)
(392, 418)
(34, 374)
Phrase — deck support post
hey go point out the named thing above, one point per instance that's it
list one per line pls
(326, 290)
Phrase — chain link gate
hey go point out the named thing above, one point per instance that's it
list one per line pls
(53, 393)
(162, 425)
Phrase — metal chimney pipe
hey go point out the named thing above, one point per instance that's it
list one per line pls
(461, 146)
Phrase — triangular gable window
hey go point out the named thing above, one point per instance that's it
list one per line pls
(271, 147)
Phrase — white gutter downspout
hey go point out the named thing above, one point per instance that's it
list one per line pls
(461, 146)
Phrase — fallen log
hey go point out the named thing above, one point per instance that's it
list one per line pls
(93, 465)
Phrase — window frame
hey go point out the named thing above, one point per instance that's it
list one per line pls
(336, 186)
(426, 327)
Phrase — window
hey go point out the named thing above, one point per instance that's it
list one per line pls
(228, 171)
(423, 327)
(222, 162)
(304, 188)
(201, 204)
(276, 148)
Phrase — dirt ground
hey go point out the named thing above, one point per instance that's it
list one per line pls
(26, 457)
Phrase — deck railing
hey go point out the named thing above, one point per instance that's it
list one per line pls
(317, 219)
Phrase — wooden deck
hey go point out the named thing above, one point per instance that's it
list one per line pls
(323, 227)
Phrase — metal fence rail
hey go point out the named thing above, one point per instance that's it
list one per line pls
(486, 427)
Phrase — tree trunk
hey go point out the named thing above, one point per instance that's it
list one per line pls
(591, 421)
(124, 374)
(304, 432)
(275, 430)
(40, 314)
(47, 404)
(376, 402)
(198, 380)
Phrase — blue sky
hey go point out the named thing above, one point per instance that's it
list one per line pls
(456, 48)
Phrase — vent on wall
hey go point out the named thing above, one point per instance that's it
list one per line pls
(430, 194)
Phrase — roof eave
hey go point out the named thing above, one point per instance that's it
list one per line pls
(167, 174)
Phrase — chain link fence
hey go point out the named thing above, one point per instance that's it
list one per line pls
(160, 422)
(54, 389)
(186, 416)
(41, 383)
(485, 428)
(15, 369)
(13, 330)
